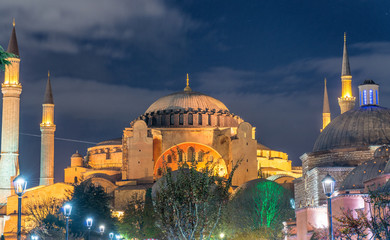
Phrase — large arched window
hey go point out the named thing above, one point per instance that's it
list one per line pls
(200, 119)
(180, 153)
(169, 159)
(190, 119)
(181, 120)
(147, 120)
(209, 119)
(162, 120)
(191, 154)
(172, 119)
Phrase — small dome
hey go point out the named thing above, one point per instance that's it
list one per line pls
(187, 100)
(364, 126)
(368, 81)
(365, 171)
(115, 141)
(76, 155)
(382, 152)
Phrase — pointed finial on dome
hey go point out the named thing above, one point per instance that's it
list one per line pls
(187, 88)
(13, 22)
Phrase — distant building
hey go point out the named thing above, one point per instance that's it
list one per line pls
(350, 149)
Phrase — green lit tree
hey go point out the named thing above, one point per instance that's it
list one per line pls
(258, 209)
(188, 202)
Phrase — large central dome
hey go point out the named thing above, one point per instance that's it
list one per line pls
(187, 100)
(365, 126)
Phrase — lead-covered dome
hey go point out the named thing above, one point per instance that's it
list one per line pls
(365, 126)
(187, 100)
(189, 109)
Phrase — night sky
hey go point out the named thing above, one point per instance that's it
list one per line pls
(266, 60)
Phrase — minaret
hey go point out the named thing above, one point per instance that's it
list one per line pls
(325, 109)
(11, 89)
(346, 101)
(47, 137)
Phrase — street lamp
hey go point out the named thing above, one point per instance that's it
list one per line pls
(101, 229)
(67, 211)
(111, 235)
(34, 237)
(20, 186)
(221, 235)
(89, 225)
(328, 185)
(118, 237)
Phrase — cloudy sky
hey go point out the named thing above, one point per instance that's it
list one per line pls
(266, 60)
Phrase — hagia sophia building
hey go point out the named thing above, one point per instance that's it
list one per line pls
(184, 125)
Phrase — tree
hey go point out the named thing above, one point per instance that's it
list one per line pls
(258, 209)
(89, 200)
(3, 58)
(188, 202)
(373, 222)
(138, 220)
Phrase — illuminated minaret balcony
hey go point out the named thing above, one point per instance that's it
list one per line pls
(368, 93)
(347, 100)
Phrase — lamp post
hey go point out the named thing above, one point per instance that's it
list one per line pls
(328, 185)
(101, 230)
(89, 225)
(111, 235)
(67, 211)
(20, 186)
(34, 237)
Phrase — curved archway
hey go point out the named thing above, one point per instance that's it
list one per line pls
(190, 151)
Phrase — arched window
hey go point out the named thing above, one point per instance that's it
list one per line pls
(364, 97)
(162, 120)
(169, 159)
(159, 172)
(200, 119)
(371, 97)
(209, 119)
(147, 120)
(172, 119)
(190, 119)
(191, 154)
(181, 120)
(108, 154)
(180, 153)
(200, 156)
(75, 180)
(154, 121)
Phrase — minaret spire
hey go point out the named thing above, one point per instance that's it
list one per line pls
(11, 89)
(325, 109)
(187, 88)
(347, 100)
(47, 137)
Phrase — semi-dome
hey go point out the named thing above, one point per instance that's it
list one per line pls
(364, 126)
(368, 170)
(187, 100)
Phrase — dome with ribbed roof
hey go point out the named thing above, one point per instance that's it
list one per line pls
(187, 100)
(365, 126)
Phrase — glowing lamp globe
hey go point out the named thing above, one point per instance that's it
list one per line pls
(20, 186)
(111, 235)
(67, 209)
(328, 185)
(222, 235)
(101, 229)
(89, 222)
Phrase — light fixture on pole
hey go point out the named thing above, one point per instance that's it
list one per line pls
(328, 185)
(20, 186)
(111, 235)
(221, 235)
(89, 225)
(67, 211)
(118, 237)
(101, 229)
(34, 237)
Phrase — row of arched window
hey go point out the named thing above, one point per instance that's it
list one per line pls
(191, 156)
(190, 119)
